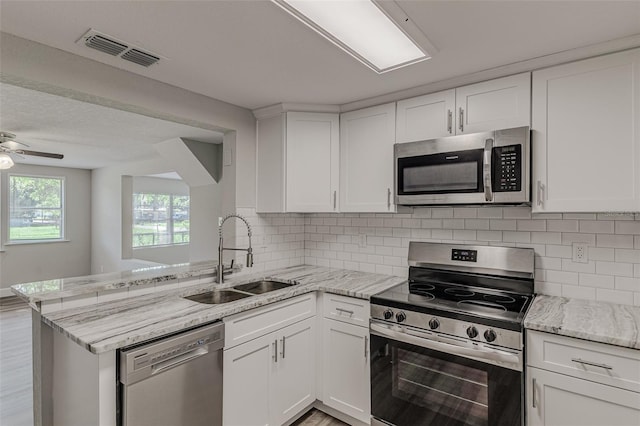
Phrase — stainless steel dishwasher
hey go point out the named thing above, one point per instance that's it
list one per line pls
(174, 381)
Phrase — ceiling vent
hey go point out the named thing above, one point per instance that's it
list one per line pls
(118, 48)
(139, 57)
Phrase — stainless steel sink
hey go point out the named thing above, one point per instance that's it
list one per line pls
(263, 286)
(217, 297)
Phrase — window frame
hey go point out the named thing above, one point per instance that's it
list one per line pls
(63, 208)
(170, 224)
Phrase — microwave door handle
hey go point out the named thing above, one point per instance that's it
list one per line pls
(488, 148)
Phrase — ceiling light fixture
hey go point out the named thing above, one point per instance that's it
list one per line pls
(5, 161)
(377, 33)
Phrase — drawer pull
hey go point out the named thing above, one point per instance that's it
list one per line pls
(346, 311)
(593, 364)
(533, 393)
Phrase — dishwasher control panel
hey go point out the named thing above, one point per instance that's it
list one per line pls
(141, 360)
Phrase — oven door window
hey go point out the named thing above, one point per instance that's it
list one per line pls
(411, 386)
(452, 172)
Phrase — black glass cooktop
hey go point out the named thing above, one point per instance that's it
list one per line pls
(469, 303)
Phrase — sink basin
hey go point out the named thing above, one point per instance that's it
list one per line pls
(217, 297)
(264, 286)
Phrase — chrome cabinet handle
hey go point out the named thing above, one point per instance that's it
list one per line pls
(275, 351)
(540, 191)
(449, 121)
(593, 364)
(388, 198)
(282, 353)
(346, 311)
(488, 149)
(335, 194)
(461, 118)
(366, 346)
(533, 393)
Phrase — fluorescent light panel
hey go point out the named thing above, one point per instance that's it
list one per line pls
(361, 29)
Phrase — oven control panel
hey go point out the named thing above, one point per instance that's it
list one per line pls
(507, 168)
(464, 255)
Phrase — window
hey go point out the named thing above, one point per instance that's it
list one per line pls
(35, 208)
(160, 219)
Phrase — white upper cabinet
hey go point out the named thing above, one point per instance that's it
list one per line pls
(298, 163)
(495, 104)
(366, 159)
(426, 117)
(586, 135)
(491, 105)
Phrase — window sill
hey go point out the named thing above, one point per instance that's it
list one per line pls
(19, 243)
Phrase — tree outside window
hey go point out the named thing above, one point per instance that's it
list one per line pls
(35, 208)
(160, 219)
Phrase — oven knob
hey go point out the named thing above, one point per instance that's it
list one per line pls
(490, 335)
(472, 332)
(400, 317)
(388, 314)
(434, 323)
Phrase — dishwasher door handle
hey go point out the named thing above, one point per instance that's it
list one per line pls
(180, 359)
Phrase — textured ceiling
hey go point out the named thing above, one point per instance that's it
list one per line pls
(253, 54)
(90, 136)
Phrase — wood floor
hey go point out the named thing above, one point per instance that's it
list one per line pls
(16, 399)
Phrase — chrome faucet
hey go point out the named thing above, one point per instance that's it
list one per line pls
(221, 247)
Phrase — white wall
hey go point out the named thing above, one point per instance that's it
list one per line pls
(40, 261)
(612, 273)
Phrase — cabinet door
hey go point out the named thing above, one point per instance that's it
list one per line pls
(586, 135)
(492, 105)
(346, 369)
(558, 400)
(294, 384)
(270, 160)
(366, 159)
(247, 378)
(426, 117)
(312, 162)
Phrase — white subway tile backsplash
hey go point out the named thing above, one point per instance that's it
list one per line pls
(629, 284)
(578, 292)
(627, 227)
(554, 225)
(613, 296)
(490, 213)
(612, 272)
(442, 213)
(599, 281)
(614, 241)
(597, 226)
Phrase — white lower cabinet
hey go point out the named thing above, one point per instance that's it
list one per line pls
(269, 363)
(346, 369)
(558, 400)
(573, 382)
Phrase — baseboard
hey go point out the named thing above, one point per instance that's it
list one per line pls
(319, 405)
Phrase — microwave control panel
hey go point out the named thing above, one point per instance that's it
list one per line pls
(507, 168)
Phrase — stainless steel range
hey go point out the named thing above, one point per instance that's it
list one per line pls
(447, 345)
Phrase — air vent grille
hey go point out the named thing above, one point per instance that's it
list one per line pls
(105, 45)
(139, 57)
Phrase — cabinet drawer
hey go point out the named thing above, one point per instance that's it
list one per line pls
(245, 326)
(346, 309)
(607, 364)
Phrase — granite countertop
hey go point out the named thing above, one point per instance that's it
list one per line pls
(40, 291)
(111, 325)
(585, 319)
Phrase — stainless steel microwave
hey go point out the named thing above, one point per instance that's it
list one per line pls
(479, 168)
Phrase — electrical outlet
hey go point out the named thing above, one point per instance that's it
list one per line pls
(580, 253)
(363, 240)
(219, 221)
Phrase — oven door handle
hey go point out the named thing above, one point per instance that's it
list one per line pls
(502, 358)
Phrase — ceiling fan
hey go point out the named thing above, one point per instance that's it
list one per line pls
(9, 145)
